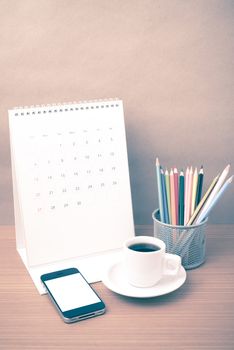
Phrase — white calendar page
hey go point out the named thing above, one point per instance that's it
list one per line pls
(71, 180)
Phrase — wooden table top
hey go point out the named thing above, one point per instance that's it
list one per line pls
(199, 315)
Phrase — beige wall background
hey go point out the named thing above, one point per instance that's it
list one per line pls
(172, 63)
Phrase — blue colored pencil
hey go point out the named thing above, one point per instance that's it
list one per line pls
(160, 196)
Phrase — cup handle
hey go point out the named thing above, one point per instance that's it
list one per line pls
(171, 264)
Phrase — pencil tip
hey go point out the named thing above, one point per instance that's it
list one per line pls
(226, 170)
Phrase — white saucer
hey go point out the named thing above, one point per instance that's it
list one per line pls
(115, 279)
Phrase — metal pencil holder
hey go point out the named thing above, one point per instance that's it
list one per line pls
(189, 242)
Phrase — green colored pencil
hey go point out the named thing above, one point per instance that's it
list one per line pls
(199, 186)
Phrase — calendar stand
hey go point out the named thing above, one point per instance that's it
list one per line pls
(71, 187)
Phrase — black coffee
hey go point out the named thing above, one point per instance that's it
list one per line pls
(144, 247)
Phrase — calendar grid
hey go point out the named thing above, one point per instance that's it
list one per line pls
(72, 188)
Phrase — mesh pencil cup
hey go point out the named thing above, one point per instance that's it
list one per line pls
(189, 242)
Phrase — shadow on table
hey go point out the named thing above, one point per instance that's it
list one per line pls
(173, 297)
(218, 247)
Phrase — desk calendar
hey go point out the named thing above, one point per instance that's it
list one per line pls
(71, 186)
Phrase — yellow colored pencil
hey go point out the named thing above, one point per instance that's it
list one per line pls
(190, 186)
(203, 200)
(173, 204)
(186, 214)
(194, 191)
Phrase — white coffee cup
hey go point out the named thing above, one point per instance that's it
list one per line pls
(146, 261)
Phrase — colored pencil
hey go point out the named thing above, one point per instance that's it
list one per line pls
(180, 195)
(160, 198)
(216, 188)
(190, 184)
(173, 209)
(176, 195)
(204, 213)
(203, 200)
(181, 198)
(199, 186)
(165, 206)
(194, 191)
(186, 215)
(167, 182)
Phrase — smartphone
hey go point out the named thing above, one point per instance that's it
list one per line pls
(73, 297)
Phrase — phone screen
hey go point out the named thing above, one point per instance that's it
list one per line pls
(71, 292)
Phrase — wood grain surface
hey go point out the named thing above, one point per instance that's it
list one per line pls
(199, 315)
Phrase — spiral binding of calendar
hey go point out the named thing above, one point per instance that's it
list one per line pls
(66, 106)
